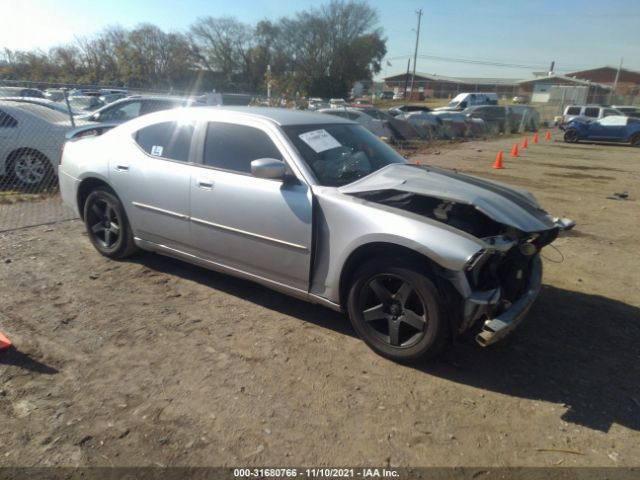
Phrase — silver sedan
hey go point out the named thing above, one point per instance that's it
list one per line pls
(317, 207)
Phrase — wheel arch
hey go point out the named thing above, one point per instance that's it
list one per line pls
(85, 188)
(367, 251)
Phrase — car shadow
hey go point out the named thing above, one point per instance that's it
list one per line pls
(12, 356)
(574, 349)
(249, 291)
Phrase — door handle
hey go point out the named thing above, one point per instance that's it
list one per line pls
(204, 183)
(122, 168)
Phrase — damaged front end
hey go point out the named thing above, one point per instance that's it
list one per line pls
(500, 282)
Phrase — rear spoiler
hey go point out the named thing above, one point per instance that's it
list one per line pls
(90, 130)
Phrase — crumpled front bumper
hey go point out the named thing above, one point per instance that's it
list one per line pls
(497, 328)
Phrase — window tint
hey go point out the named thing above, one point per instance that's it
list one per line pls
(7, 121)
(234, 147)
(167, 140)
(573, 111)
(592, 112)
(125, 111)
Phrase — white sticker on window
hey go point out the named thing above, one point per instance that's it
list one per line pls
(157, 150)
(319, 140)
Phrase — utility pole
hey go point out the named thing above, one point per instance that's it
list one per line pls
(615, 82)
(406, 79)
(415, 53)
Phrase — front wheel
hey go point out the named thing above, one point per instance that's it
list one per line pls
(635, 140)
(107, 224)
(396, 310)
(571, 136)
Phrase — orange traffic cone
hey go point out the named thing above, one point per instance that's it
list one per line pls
(524, 143)
(498, 164)
(4, 342)
(535, 138)
(514, 150)
(547, 136)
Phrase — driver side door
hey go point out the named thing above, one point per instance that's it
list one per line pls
(261, 227)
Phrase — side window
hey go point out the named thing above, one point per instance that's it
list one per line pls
(592, 112)
(353, 116)
(122, 112)
(166, 140)
(7, 121)
(609, 112)
(573, 111)
(233, 147)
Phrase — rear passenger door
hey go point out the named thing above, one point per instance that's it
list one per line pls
(254, 225)
(152, 181)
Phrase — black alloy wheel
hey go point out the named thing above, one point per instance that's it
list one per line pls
(107, 224)
(396, 311)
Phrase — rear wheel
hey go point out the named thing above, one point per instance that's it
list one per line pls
(107, 224)
(396, 310)
(635, 140)
(571, 136)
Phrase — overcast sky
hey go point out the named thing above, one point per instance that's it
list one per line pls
(577, 34)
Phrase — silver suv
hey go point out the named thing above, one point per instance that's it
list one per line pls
(585, 112)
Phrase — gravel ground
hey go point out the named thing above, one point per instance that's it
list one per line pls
(152, 361)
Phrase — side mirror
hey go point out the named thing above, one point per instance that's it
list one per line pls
(268, 168)
(95, 116)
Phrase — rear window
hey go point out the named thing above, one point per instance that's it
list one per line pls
(592, 112)
(7, 121)
(170, 140)
(573, 111)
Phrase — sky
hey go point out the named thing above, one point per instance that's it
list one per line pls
(525, 34)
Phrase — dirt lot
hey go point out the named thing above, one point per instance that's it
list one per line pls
(155, 362)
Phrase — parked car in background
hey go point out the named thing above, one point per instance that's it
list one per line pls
(386, 95)
(21, 92)
(628, 110)
(465, 100)
(618, 129)
(506, 119)
(83, 103)
(585, 112)
(427, 125)
(132, 107)
(521, 99)
(337, 102)
(400, 109)
(112, 97)
(31, 139)
(372, 123)
(54, 94)
(57, 106)
(399, 96)
(413, 254)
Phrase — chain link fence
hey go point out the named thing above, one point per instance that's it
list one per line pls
(36, 118)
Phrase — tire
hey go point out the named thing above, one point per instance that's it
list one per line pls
(397, 311)
(635, 140)
(571, 136)
(107, 224)
(32, 171)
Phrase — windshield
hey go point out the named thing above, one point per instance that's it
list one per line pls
(453, 103)
(340, 154)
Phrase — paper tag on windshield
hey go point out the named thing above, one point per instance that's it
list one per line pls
(156, 150)
(319, 140)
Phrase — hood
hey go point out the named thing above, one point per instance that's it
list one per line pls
(503, 204)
